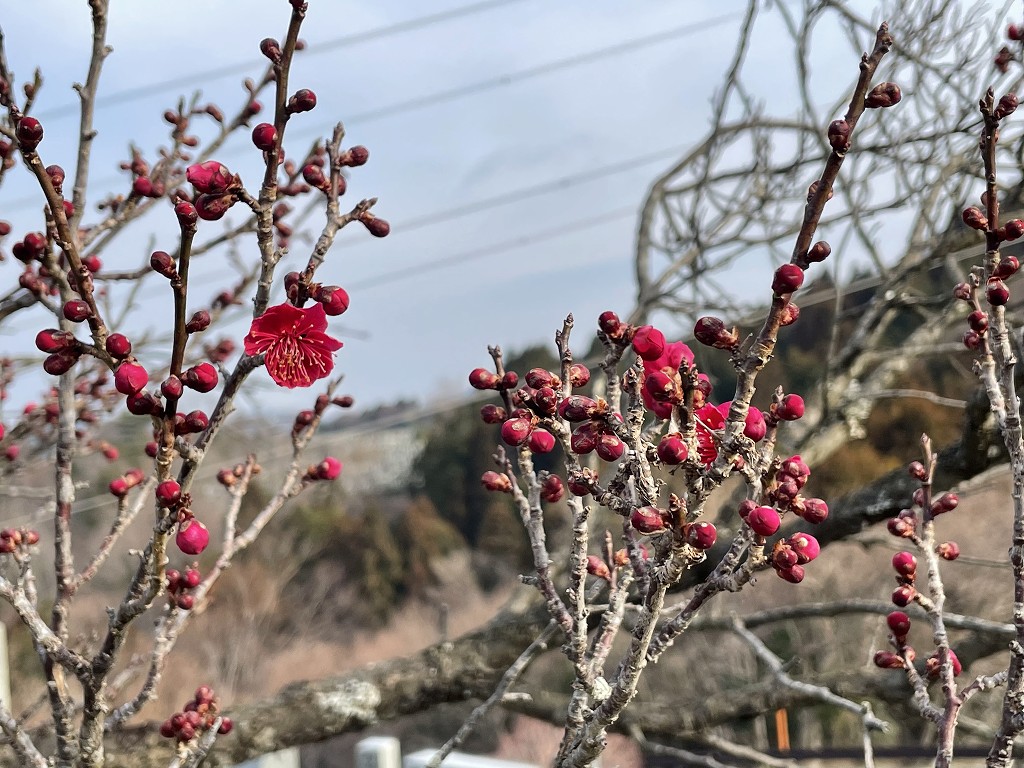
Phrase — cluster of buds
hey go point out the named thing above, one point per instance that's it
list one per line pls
(905, 524)
(199, 714)
(789, 556)
(192, 537)
(12, 538)
(229, 476)
(180, 586)
(328, 469)
(61, 348)
(120, 486)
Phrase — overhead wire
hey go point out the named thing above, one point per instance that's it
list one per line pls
(124, 95)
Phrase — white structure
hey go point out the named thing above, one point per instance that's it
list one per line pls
(459, 760)
(286, 758)
(5, 672)
(379, 752)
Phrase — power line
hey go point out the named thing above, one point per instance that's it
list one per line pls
(431, 265)
(481, 86)
(499, 81)
(184, 81)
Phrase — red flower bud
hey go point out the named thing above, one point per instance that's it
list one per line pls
(888, 660)
(805, 546)
(375, 226)
(76, 310)
(596, 566)
(201, 378)
(996, 292)
(53, 340)
(60, 363)
(903, 596)
(648, 520)
(948, 550)
(196, 421)
(839, 135)
(168, 493)
(211, 207)
(493, 414)
(270, 48)
(118, 345)
(1007, 106)
(794, 574)
(787, 279)
(481, 378)
(672, 449)
(355, 156)
(162, 263)
(538, 377)
(186, 214)
(577, 408)
(974, 218)
(883, 95)
(551, 489)
(711, 332)
(302, 100)
(899, 624)
(516, 431)
(29, 133)
(610, 447)
(609, 323)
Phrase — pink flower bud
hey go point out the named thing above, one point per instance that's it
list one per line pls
(888, 660)
(328, 469)
(192, 537)
(538, 377)
(648, 342)
(764, 521)
(130, 378)
(791, 408)
(794, 574)
(541, 441)
(974, 218)
(494, 481)
(805, 546)
(118, 487)
(334, 298)
(948, 550)
(905, 564)
(211, 177)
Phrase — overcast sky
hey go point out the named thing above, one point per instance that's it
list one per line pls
(549, 93)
